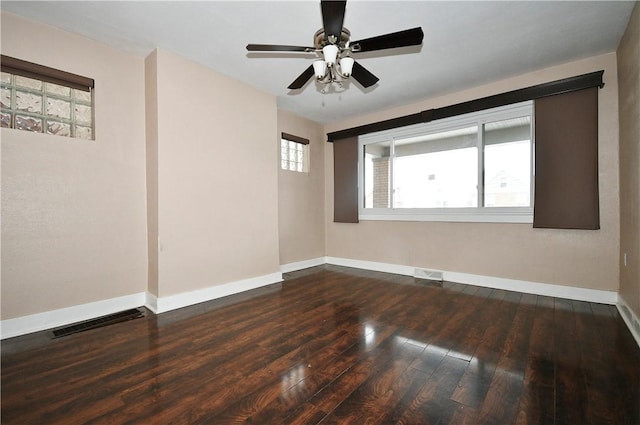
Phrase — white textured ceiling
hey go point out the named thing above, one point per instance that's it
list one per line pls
(466, 43)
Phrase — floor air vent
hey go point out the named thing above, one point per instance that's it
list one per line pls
(99, 322)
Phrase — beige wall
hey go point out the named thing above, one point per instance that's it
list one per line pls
(588, 259)
(73, 211)
(301, 195)
(629, 80)
(217, 197)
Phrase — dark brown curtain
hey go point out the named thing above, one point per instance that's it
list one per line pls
(566, 161)
(345, 180)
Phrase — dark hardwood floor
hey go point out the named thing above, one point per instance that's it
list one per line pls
(334, 345)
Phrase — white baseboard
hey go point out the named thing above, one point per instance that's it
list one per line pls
(559, 291)
(51, 319)
(172, 302)
(630, 319)
(151, 302)
(300, 265)
(64, 316)
(570, 292)
(372, 265)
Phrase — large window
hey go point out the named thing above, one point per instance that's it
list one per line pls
(474, 167)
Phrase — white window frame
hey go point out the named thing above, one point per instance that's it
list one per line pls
(472, 214)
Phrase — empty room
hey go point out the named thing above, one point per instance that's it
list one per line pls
(320, 212)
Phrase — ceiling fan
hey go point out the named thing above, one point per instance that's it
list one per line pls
(334, 48)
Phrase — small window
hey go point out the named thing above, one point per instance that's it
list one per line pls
(44, 100)
(294, 153)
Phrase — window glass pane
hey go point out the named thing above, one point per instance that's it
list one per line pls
(28, 123)
(84, 133)
(58, 108)
(5, 120)
(82, 96)
(437, 171)
(58, 90)
(5, 78)
(58, 128)
(28, 83)
(28, 102)
(377, 175)
(507, 163)
(83, 114)
(6, 97)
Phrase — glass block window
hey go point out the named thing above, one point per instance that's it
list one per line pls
(45, 102)
(294, 153)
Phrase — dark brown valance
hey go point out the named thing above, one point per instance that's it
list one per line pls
(345, 181)
(566, 161)
(296, 139)
(44, 73)
(566, 85)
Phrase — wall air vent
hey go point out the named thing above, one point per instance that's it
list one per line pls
(99, 322)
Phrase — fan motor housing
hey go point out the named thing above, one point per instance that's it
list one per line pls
(320, 40)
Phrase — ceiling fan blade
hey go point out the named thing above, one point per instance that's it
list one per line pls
(410, 37)
(278, 48)
(333, 17)
(302, 79)
(363, 76)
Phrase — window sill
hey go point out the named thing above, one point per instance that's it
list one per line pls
(465, 215)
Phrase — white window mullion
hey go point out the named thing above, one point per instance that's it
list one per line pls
(392, 160)
(533, 158)
(480, 164)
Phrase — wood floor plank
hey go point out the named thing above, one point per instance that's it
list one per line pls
(537, 401)
(380, 392)
(432, 404)
(335, 345)
(501, 403)
(570, 383)
(474, 384)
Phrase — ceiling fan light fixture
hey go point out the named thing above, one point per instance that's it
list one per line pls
(333, 46)
(330, 52)
(319, 68)
(346, 65)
